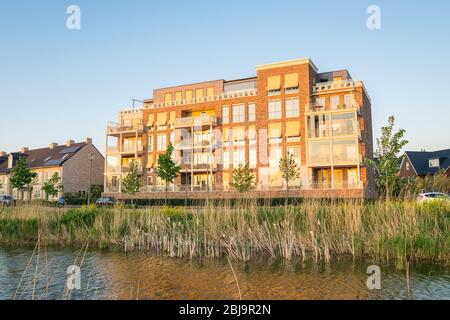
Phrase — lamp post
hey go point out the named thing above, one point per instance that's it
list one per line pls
(91, 158)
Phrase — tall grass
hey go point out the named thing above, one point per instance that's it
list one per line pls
(399, 231)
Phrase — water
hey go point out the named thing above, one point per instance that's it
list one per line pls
(116, 275)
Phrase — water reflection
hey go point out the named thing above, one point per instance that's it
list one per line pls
(115, 275)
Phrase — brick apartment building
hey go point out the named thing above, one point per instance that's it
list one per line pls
(72, 162)
(323, 119)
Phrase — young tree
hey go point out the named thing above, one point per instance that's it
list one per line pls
(387, 159)
(289, 171)
(21, 176)
(132, 181)
(167, 169)
(52, 186)
(243, 178)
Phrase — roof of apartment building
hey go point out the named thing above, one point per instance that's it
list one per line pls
(53, 155)
(420, 160)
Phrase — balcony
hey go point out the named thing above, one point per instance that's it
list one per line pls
(195, 122)
(314, 108)
(336, 85)
(222, 96)
(198, 167)
(335, 185)
(131, 149)
(115, 128)
(337, 159)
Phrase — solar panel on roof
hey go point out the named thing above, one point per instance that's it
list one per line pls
(54, 162)
(69, 150)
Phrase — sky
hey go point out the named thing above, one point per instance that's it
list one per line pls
(58, 84)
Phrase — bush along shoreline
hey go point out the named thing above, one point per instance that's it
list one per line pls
(385, 231)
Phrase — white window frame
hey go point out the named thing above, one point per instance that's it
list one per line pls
(251, 111)
(238, 113)
(292, 109)
(274, 109)
(225, 114)
(161, 142)
(334, 102)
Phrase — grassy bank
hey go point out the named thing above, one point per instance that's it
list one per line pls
(397, 231)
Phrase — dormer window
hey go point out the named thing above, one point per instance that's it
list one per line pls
(433, 163)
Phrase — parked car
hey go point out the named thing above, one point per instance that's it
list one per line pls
(432, 196)
(61, 202)
(7, 200)
(105, 202)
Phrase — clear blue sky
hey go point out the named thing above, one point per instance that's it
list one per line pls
(57, 84)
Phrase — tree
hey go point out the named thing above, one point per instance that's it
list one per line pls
(132, 181)
(387, 159)
(167, 169)
(243, 178)
(21, 176)
(289, 170)
(52, 186)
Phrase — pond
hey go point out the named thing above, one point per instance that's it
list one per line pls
(119, 275)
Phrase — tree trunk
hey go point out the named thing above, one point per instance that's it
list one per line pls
(165, 201)
(287, 193)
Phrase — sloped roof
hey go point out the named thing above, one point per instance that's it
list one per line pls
(44, 157)
(420, 161)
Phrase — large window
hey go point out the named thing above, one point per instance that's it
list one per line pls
(225, 114)
(150, 143)
(319, 152)
(251, 112)
(334, 102)
(275, 155)
(226, 159)
(319, 126)
(238, 157)
(238, 113)
(343, 124)
(345, 151)
(295, 151)
(274, 109)
(161, 142)
(252, 157)
(292, 108)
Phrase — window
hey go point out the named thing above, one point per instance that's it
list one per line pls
(274, 109)
(319, 152)
(292, 108)
(291, 83)
(349, 101)
(238, 113)
(343, 124)
(334, 102)
(407, 166)
(273, 85)
(210, 92)
(238, 157)
(168, 97)
(178, 96)
(150, 144)
(320, 102)
(225, 114)
(198, 93)
(251, 112)
(226, 159)
(345, 151)
(172, 137)
(188, 95)
(433, 163)
(252, 157)
(295, 151)
(274, 157)
(161, 140)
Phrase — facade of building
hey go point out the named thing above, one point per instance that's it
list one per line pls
(323, 119)
(422, 163)
(72, 161)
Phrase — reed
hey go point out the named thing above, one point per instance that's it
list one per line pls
(396, 230)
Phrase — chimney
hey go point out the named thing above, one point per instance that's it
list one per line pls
(88, 140)
(69, 143)
(24, 150)
(2, 154)
(53, 145)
